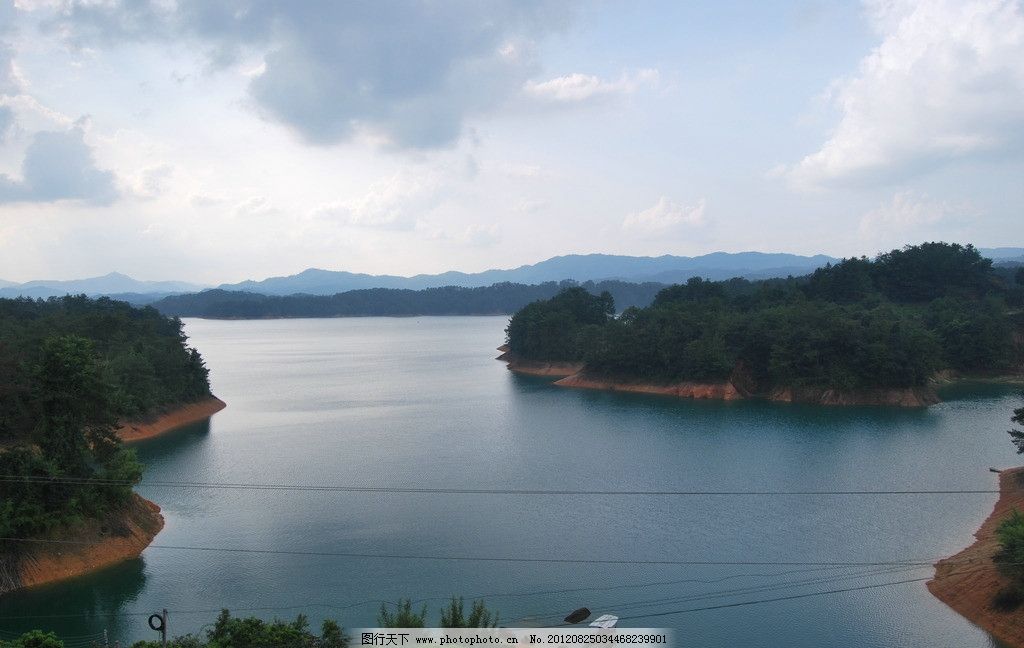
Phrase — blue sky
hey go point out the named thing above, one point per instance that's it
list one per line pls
(220, 141)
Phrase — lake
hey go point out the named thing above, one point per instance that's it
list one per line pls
(421, 402)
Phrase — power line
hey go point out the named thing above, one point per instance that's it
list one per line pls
(620, 606)
(83, 481)
(491, 595)
(501, 559)
(675, 581)
(789, 597)
(773, 600)
(750, 589)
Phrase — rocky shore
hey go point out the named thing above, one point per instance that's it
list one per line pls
(121, 536)
(171, 420)
(969, 581)
(573, 374)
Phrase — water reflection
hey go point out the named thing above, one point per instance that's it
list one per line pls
(82, 607)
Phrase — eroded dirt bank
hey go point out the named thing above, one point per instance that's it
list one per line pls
(572, 374)
(179, 416)
(534, 368)
(969, 580)
(718, 391)
(121, 536)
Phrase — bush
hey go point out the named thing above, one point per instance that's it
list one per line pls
(34, 639)
(1008, 598)
(1010, 534)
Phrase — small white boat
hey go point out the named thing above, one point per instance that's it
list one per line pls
(604, 621)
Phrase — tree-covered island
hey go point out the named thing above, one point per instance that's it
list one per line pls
(858, 331)
(72, 369)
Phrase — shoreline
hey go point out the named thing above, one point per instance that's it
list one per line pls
(970, 590)
(573, 375)
(177, 417)
(534, 368)
(725, 391)
(122, 536)
(104, 543)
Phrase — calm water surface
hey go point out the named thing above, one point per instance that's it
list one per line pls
(421, 402)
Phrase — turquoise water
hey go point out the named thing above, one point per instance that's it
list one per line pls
(422, 402)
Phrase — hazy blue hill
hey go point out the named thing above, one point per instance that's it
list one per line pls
(1003, 253)
(1004, 257)
(114, 283)
(580, 267)
(665, 269)
(501, 298)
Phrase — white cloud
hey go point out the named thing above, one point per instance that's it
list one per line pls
(482, 235)
(59, 165)
(150, 182)
(946, 83)
(665, 216)
(909, 215)
(579, 88)
(396, 203)
(257, 208)
(202, 200)
(6, 122)
(407, 75)
(10, 80)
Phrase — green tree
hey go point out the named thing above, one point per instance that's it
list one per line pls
(453, 616)
(76, 412)
(332, 635)
(921, 273)
(402, 617)
(34, 639)
(1010, 535)
(1016, 435)
(70, 369)
(551, 329)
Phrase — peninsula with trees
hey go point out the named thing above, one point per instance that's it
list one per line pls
(861, 331)
(77, 376)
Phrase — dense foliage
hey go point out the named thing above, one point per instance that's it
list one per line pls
(70, 368)
(252, 632)
(890, 322)
(1010, 535)
(402, 617)
(1016, 435)
(452, 616)
(499, 299)
(33, 639)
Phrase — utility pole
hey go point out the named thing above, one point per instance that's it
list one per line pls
(158, 622)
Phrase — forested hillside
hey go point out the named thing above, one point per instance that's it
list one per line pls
(70, 369)
(889, 322)
(499, 299)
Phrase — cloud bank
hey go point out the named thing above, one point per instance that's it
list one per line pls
(665, 216)
(407, 74)
(946, 83)
(59, 165)
(578, 88)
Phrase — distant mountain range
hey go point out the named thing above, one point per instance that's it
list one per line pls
(588, 267)
(665, 269)
(113, 284)
(1004, 255)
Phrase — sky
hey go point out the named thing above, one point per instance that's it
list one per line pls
(219, 141)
